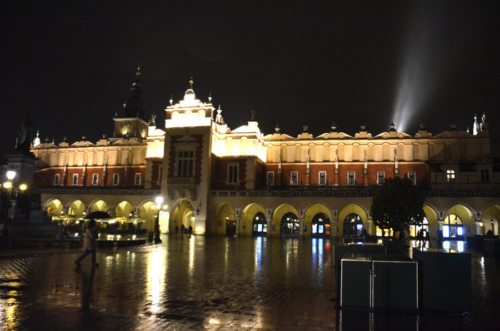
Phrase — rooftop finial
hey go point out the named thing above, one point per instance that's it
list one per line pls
(210, 96)
(171, 99)
(191, 82)
(252, 115)
(138, 73)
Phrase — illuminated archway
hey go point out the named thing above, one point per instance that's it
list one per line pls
(289, 225)
(99, 205)
(353, 226)
(490, 218)
(259, 225)
(453, 227)
(148, 212)
(124, 209)
(352, 209)
(76, 209)
(459, 221)
(54, 208)
(278, 214)
(321, 227)
(317, 221)
(182, 214)
(248, 217)
(225, 220)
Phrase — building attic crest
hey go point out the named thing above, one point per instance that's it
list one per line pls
(189, 94)
(189, 111)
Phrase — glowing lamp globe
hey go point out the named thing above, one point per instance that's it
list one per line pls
(11, 174)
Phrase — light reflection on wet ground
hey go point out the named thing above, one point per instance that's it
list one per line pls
(206, 282)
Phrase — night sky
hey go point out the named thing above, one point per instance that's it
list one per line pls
(299, 63)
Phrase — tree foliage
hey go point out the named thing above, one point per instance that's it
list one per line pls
(397, 204)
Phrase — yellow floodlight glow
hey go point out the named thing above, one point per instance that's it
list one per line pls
(7, 185)
(23, 187)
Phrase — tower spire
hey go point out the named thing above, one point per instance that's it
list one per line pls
(134, 105)
(138, 73)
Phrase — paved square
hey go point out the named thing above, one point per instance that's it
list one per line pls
(195, 283)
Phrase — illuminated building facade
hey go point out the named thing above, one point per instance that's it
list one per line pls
(242, 182)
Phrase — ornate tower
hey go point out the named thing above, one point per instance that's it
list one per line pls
(187, 160)
(132, 123)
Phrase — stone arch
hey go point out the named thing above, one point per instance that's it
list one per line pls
(278, 213)
(247, 217)
(311, 212)
(182, 214)
(353, 208)
(124, 209)
(490, 218)
(432, 216)
(148, 212)
(98, 205)
(53, 208)
(464, 213)
(76, 209)
(225, 220)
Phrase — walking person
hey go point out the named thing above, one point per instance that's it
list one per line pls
(419, 237)
(190, 231)
(176, 230)
(183, 229)
(89, 244)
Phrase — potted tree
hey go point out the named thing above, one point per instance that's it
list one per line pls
(397, 204)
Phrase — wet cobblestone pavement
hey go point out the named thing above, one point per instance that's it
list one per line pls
(212, 283)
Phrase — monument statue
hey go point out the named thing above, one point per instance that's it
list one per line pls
(24, 136)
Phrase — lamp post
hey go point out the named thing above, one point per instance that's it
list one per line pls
(159, 202)
(11, 201)
(9, 186)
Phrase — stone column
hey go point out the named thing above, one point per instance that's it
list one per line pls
(269, 222)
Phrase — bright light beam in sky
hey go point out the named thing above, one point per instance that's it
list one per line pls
(417, 78)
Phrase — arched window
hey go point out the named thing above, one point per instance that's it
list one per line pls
(57, 179)
(353, 226)
(259, 226)
(290, 226)
(453, 227)
(320, 226)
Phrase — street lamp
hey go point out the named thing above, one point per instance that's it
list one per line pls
(11, 174)
(7, 204)
(159, 202)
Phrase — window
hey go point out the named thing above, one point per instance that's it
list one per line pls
(380, 177)
(322, 178)
(137, 179)
(75, 179)
(485, 176)
(270, 178)
(116, 179)
(450, 175)
(232, 174)
(351, 178)
(57, 179)
(95, 179)
(412, 177)
(294, 178)
(185, 163)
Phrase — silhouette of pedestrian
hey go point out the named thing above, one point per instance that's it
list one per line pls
(89, 243)
(183, 229)
(176, 231)
(190, 231)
